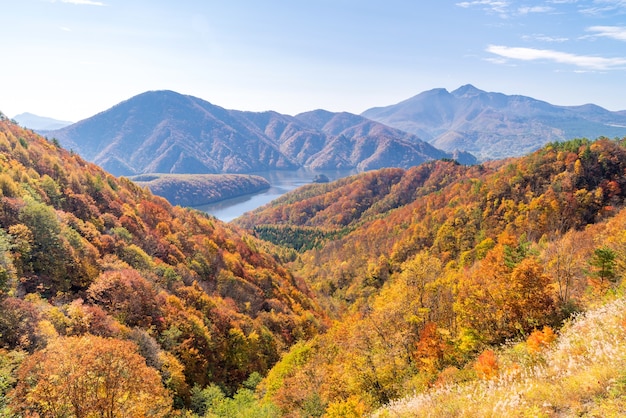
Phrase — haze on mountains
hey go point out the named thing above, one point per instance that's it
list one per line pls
(495, 125)
(166, 132)
(40, 123)
(362, 292)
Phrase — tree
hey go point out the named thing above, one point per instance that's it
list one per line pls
(603, 260)
(505, 295)
(7, 270)
(48, 255)
(528, 304)
(127, 296)
(564, 263)
(86, 377)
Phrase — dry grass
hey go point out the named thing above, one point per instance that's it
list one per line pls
(582, 374)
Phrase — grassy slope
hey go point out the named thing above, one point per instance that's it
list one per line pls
(582, 374)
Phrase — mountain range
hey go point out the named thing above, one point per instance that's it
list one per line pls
(413, 290)
(40, 123)
(495, 125)
(167, 132)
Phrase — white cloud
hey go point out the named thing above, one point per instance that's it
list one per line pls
(80, 2)
(504, 8)
(545, 38)
(492, 5)
(613, 32)
(605, 6)
(535, 9)
(498, 60)
(582, 61)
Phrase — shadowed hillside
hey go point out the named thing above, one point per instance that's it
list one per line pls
(166, 132)
(200, 189)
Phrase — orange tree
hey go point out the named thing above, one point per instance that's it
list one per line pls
(89, 376)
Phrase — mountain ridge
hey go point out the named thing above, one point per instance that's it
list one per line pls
(493, 125)
(40, 123)
(167, 132)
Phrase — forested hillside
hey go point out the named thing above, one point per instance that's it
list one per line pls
(193, 190)
(112, 300)
(393, 292)
(425, 269)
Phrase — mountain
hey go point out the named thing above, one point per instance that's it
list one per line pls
(414, 290)
(85, 254)
(166, 132)
(200, 189)
(432, 272)
(40, 123)
(494, 125)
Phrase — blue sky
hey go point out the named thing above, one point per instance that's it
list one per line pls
(70, 59)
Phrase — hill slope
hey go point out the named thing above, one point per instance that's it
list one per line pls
(494, 125)
(426, 268)
(200, 189)
(82, 252)
(579, 374)
(166, 132)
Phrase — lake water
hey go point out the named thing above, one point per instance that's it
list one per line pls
(281, 182)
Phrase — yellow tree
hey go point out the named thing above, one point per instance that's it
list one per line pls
(507, 294)
(89, 376)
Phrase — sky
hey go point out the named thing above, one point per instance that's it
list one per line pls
(71, 59)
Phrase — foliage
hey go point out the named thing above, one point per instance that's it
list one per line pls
(299, 238)
(581, 373)
(421, 271)
(85, 254)
(88, 375)
(603, 260)
(518, 245)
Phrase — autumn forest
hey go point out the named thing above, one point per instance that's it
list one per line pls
(394, 292)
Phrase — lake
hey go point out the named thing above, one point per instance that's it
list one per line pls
(281, 182)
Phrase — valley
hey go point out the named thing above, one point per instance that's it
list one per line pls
(322, 209)
(281, 182)
(371, 293)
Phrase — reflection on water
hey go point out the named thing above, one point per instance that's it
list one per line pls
(281, 182)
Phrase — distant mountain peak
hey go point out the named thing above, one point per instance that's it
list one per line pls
(493, 125)
(467, 90)
(39, 123)
(167, 132)
(440, 91)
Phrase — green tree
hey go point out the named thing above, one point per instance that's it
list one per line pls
(7, 270)
(603, 259)
(47, 252)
